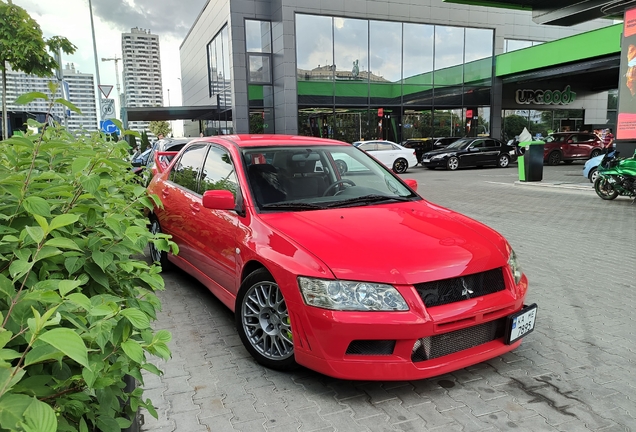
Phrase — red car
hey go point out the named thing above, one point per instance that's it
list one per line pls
(571, 146)
(353, 274)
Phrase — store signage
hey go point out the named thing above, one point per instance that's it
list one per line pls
(545, 97)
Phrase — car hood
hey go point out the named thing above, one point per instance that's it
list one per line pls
(441, 151)
(403, 243)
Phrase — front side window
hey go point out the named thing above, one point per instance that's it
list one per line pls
(186, 171)
(218, 172)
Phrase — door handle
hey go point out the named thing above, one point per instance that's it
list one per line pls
(195, 207)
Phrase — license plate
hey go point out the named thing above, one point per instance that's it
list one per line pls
(425, 160)
(520, 324)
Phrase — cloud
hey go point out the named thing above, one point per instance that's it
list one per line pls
(162, 17)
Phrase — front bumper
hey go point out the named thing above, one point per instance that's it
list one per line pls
(323, 338)
(434, 163)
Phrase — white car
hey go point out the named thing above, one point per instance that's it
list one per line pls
(392, 155)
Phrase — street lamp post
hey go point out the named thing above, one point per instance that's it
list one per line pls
(116, 60)
(99, 110)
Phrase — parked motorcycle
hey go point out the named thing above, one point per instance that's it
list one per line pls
(616, 176)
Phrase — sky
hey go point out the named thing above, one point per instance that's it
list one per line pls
(169, 19)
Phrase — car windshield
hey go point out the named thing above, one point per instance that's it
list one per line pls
(459, 145)
(316, 177)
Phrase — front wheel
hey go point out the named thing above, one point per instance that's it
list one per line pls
(503, 161)
(263, 322)
(452, 163)
(554, 158)
(156, 255)
(400, 166)
(604, 189)
(593, 175)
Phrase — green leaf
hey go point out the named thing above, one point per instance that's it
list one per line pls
(9, 354)
(12, 408)
(36, 233)
(19, 268)
(66, 286)
(63, 220)
(80, 300)
(152, 369)
(68, 105)
(97, 274)
(69, 342)
(162, 336)
(107, 424)
(102, 259)
(42, 353)
(162, 350)
(90, 183)
(37, 206)
(40, 417)
(133, 350)
(7, 381)
(42, 222)
(88, 376)
(6, 287)
(29, 97)
(63, 242)
(5, 336)
(83, 426)
(80, 164)
(46, 252)
(137, 318)
(151, 409)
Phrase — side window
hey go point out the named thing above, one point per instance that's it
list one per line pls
(493, 143)
(384, 146)
(368, 146)
(574, 138)
(478, 144)
(186, 170)
(218, 172)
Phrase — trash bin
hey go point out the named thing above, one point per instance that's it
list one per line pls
(531, 162)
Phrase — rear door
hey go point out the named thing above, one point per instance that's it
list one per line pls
(385, 153)
(585, 145)
(491, 151)
(178, 196)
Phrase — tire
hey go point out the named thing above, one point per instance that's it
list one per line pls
(156, 255)
(595, 152)
(400, 166)
(593, 175)
(554, 158)
(342, 166)
(452, 163)
(604, 189)
(503, 161)
(263, 323)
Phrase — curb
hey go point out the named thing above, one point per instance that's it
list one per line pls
(559, 185)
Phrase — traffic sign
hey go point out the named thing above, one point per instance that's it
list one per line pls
(105, 89)
(109, 127)
(107, 108)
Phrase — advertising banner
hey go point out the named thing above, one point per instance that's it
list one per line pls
(626, 124)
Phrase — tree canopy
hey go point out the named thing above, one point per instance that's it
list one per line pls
(160, 127)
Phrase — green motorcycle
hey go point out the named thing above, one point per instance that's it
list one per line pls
(616, 177)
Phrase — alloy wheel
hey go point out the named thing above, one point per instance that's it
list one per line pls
(266, 322)
(452, 163)
(504, 161)
(400, 166)
(155, 253)
(554, 158)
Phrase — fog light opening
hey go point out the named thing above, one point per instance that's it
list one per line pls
(421, 349)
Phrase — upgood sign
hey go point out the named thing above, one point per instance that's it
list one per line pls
(545, 97)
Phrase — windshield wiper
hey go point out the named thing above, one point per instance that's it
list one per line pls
(367, 199)
(293, 206)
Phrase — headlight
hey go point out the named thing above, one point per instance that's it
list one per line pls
(515, 268)
(441, 156)
(351, 296)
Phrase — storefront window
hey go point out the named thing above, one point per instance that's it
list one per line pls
(385, 43)
(449, 56)
(478, 57)
(351, 54)
(219, 71)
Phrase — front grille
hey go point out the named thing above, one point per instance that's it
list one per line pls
(446, 291)
(371, 347)
(448, 343)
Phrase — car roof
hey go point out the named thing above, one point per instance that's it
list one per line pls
(269, 140)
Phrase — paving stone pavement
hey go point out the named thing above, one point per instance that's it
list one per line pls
(575, 372)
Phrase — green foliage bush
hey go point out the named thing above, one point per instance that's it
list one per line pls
(76, 296)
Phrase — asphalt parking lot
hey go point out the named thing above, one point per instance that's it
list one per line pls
(575, 372)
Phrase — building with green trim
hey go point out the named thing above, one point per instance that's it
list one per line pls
(394, 69)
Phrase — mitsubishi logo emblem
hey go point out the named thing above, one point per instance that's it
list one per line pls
(466, 291)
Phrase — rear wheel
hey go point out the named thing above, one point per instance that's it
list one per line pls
(604, 189)
(595, 152)
(400, 166)
(452, 163)
(263, 322)
(156, 255)
(503, 161)
(554, 158)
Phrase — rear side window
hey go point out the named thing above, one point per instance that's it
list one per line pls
(384, 146)
(368, 146)
(186, 171)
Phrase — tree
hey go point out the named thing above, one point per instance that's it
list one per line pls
(145, 142)
(513, 126)
(160, 127)
(23, 47)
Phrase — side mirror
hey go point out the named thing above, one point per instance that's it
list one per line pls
(412, 183)
(218, 200)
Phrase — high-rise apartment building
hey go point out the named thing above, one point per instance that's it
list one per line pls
(81, 88)
(142, 72)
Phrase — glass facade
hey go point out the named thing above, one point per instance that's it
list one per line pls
(258, 49)
(219, 79)
(366, 79)
(541, 122)
(517, 44)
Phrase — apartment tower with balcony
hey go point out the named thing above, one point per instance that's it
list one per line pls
(142, 72)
